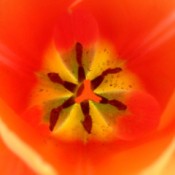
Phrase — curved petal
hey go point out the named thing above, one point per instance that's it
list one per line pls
(26, 26)
(17, 83)
(159, 167)
(169, 167)
(83, 159)
(143, 118)
(168, 114)
(126, 32)
(9, 163)
(77, 26)
(126, 158)
(143, 34)
(30, 142)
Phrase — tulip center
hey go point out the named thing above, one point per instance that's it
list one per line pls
(83, 91)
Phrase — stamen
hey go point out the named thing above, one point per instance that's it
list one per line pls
(119, 105)
(80, 90)
(111, 71)
(55, 78)
(79, 53)
(68, 102)
(81, 74)
(98, 80)
(83, 91)
(87, 123)
(54, 114)
(69, 86)
(85, 107)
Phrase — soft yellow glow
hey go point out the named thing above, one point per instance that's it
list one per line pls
(159, 166)
(54, 63)
(71, 127)
(101, 128)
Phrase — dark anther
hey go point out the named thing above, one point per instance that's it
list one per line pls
(87, 123)
(54, 115)
(79, 53)
(81, 74)
(104, 100)
(69, 86)
(111, 71)
(80, 90)
(54, 77)
(119, 105)
(98, 80)
(85, 107)
(68, 102)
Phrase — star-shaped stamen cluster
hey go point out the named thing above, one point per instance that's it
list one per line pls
(77, 90)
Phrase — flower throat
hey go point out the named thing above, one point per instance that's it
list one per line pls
(82, 91)
(78, 89)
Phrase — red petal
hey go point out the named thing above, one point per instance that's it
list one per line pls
(15, 86)
(77, 158)
(143, 116)
(142, 33)
(125, 157)
(66, 158)
(11, 164)
(27, 26)
(126, 24)
(78, 26)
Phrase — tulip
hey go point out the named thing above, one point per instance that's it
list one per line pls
(87, 87)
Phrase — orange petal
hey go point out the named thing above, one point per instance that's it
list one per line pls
(142, 33)
(11, 164)
(78, 26)
(26, 26)
(168, 116)
(143, 116)
(32, 144)
(122, 24)
(17, 84)
(133, 160)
